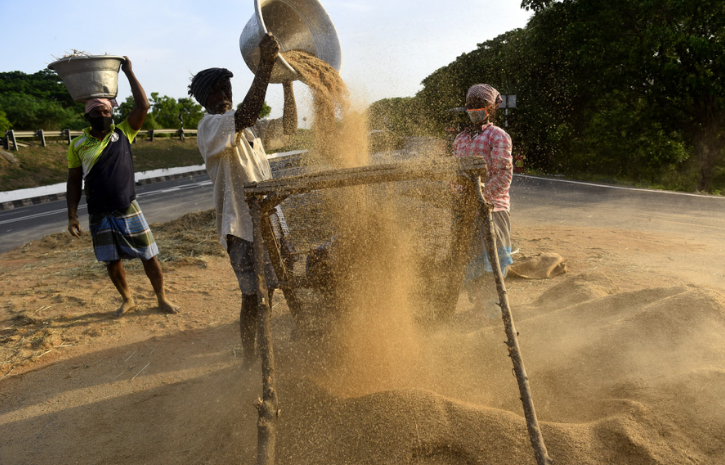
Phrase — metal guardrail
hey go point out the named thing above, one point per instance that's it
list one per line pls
(11, 136)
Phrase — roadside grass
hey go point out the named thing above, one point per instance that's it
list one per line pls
(683, 179)
(303, 140)
(41, 166)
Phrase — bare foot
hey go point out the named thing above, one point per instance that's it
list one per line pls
(167, 307)
(125, 307)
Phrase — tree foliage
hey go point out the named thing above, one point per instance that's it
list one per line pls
(263, 113)
(266, 110)
(41, 101)
(4, 122)
(164, 112)
(394, 114)
(37, 101)
(614, 87)
(25, 112)
(663, 61)
(44, 84)
(535, 5)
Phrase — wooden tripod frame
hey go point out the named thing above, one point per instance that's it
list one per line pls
(264, 196)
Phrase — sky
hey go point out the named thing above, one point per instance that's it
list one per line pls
(388, 46)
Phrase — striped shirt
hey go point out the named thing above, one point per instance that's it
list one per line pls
(494, 145)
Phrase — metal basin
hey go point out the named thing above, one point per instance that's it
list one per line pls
(89, 77)
(297, 25)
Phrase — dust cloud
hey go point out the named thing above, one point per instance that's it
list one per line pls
(374, 339)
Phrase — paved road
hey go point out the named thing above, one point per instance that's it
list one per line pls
(536, 199)
(582, 204)
(160, 202)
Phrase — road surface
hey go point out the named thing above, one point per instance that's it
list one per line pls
(160, 202)
(534, 200)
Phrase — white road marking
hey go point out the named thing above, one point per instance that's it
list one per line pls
(39, 215)
(639, 189)
(83, 206)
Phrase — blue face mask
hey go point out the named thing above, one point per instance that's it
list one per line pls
(477, 116)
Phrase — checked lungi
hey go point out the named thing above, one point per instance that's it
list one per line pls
(122, 233)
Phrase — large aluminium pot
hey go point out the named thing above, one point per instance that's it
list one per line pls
(88, 77)
(297, 25)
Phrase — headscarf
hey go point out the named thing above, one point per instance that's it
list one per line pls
(485, 92)
(203, 81)
(100, 102)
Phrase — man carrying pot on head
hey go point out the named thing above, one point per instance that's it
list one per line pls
(231, 143)
(486, 140)
(102, 157)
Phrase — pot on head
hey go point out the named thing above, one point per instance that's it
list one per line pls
(297, 25)
(88, 77)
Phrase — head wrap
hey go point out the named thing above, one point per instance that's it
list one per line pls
(203, 81)
(100, 102)
(486, 93)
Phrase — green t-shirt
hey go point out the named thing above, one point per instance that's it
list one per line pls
(84, 150)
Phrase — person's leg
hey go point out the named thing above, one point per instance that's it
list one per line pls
(118, 277)
(152, 268)
(482, 291)
(248, 323)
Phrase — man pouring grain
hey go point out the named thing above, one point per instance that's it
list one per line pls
(231, 143)
(102, 157)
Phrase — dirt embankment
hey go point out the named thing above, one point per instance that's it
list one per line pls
(626, 365)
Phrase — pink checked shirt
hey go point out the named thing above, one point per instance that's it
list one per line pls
(494, 145)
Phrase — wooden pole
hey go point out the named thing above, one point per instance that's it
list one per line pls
(464, 211)
(267, 406)
(346, 177)
(11, 136)
(283, 274)
(532, 424)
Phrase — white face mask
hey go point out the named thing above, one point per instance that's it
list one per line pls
(477, 116)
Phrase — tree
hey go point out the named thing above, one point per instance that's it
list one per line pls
(4, 122)
(44, 84)
(392, 114)
(669, 54)
(124, 109)
(191, 112)
(264, 112)
(164, 112)
(27, 112)
(535, 5)
(39, 100)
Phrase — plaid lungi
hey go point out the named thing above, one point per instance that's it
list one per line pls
(122, 233)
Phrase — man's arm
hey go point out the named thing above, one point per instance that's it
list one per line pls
(73, 198)
(289, 121)
(248, 112)
(138, 114)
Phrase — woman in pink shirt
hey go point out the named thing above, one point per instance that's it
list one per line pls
(486, 140)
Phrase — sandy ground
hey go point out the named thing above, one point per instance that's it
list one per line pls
(625, 356)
